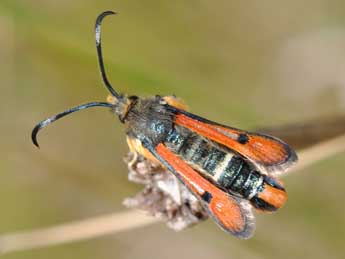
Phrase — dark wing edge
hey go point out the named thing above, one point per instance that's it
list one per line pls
(269, 154)
(234, 215)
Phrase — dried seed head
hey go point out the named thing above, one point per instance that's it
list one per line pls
(163, 196)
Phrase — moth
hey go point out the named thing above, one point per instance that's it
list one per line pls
(227, 169)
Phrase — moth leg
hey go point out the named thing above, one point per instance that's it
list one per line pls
(135, 146)
(133, 159)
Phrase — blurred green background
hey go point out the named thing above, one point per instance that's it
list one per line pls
(246, 64)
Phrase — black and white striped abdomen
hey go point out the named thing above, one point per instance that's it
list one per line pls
(228, 170)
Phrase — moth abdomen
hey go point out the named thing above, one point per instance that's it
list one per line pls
(227, 170)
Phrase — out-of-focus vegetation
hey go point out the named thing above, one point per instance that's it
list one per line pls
(247, 64)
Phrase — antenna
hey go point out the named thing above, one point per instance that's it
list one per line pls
(50, 120)
(99, 52)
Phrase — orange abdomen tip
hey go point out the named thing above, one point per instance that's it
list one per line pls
(274, 197)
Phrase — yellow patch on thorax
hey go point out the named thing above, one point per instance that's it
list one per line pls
(175, 102)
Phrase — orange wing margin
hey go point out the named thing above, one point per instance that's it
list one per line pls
(269, 154)
(232, 214)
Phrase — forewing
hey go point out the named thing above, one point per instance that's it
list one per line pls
(232, 214)
(270, 155)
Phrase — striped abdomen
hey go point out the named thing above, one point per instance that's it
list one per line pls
(227, 170)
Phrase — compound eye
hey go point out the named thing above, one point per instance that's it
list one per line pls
(133, 97)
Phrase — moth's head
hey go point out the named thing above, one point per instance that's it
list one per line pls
(123, 105)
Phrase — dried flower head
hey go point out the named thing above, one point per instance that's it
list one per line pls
(163, 196)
